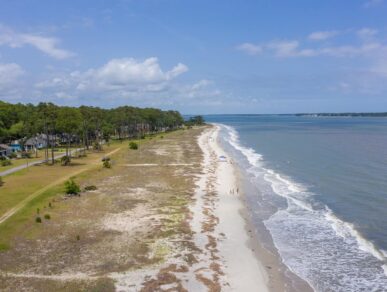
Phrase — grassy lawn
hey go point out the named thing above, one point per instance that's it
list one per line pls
(47, 182)
(21, 161)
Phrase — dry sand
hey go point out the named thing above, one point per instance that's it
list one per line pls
(241, 269)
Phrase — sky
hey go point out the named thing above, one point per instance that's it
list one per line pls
(199, 56)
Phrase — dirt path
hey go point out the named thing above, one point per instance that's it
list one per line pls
(20, 205)
(29, 164)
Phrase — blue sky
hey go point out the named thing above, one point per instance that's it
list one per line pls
(197, 56)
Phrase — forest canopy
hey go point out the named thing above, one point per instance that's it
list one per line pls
(86, 123)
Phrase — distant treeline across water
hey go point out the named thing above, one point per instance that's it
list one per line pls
(378, 115)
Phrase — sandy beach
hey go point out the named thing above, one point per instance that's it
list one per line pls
(168, 217)
(241, 269)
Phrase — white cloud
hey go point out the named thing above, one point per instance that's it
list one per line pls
(10, 83)
(284, 48)
(47, 45)
(126, 77)
(293, 48)
(322, 35)
(250, 49)
(366, 33)
(129, 74)
(9, 74)
(201, 84)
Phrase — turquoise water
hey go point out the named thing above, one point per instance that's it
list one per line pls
(319, 185)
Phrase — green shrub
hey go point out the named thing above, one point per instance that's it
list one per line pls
(90, 188)
(107, 164)
(47, 216)
(50, 205)
(12, 155)
(65, 160)
(6, 162)
(1, 181)
(38, 220)
(161, 137)
(72, 188)
(133, 145)
(26, 154)
(97, 146)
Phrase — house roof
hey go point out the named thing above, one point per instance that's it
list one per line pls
(4, 146)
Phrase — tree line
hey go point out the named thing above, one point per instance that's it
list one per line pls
(85, 125)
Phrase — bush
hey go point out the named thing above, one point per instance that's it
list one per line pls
(133, 145)
(47, 216)
(12, 155)
(6, 162)
(1, 181)
(97, 146)
(65, 160)
(38, 220)
(142, 137)
(162, 137)
(107, 164)
(90, 188)
(72, 188)
(26, 154)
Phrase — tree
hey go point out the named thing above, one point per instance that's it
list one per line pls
(68, 123)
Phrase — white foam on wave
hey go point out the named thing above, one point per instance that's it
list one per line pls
(297, 195)
(253, 157)
(284, 187)
(345, 230)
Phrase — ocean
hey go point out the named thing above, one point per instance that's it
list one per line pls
(319, 186)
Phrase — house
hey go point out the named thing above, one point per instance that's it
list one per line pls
(16, 146)
(5, 150)
(37, 142)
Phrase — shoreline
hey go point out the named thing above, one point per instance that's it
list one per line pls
(254, 266)
(241, 270)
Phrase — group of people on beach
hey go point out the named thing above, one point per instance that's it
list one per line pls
(234, 191)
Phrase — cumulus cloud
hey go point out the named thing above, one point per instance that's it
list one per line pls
(322, 35)
(119, 78)
(129, 74)
(47, 45)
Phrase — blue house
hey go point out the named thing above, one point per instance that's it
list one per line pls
(15, 146)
